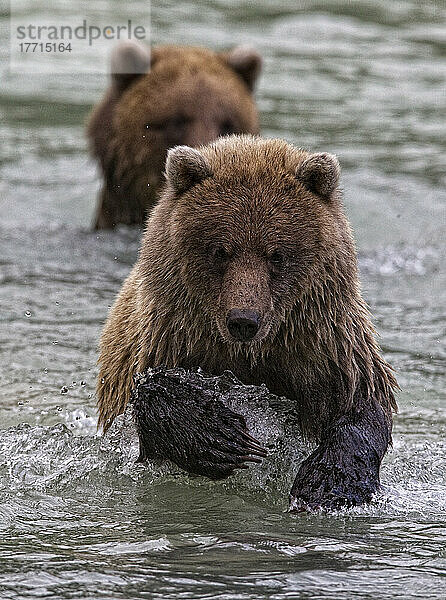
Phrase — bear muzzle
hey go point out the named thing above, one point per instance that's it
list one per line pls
(243, 324)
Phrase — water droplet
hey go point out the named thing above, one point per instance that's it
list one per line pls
(58, 408)
(64, 390)
(27, 313)
(73, 383)
(83, 383)
(102, 380)
(55, 342)
(57, 303)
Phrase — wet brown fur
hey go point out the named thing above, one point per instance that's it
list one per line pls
(317, 344)
(189, 96)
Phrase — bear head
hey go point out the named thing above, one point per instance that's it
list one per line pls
(253, 228)
(162, 98)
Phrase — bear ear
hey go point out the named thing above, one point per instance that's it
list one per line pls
(185, 167)
(129, 60)
(246, 62)
(320, 173)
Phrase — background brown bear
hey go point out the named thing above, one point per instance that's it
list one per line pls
(248, 264)
(159, 99)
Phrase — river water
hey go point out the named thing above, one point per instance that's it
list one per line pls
(78, 518)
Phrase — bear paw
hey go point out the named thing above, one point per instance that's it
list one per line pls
(180, 421)
(324, 483)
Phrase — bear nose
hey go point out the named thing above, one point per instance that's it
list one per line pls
(243, 324)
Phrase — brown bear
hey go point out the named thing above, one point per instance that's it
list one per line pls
(248, 264)
(159, 99)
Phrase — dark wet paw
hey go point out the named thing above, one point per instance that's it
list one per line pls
(304, 500)
(185, 423)
(321, 484)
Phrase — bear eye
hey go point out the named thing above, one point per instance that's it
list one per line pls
(277, 259)
(219, 254)
(178, 122)
(173, 124)
(227, 127)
